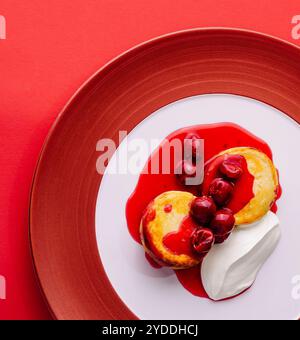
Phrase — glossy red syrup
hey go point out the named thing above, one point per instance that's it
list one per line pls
(168, 208)
(191, 281)
(180, 242)
(217, 138)
(243, 186)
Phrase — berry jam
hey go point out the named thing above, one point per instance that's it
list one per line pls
(180, 242)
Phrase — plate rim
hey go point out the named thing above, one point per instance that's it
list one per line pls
(61, 115)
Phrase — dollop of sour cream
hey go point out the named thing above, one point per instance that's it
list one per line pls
(231, 267)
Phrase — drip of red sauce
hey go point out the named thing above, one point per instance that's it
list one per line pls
(168, 208)
(191, 281)
(217, 138)
(180, 242)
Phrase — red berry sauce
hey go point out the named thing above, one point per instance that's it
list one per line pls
(180, 242)
(243, 186)
(217, 138)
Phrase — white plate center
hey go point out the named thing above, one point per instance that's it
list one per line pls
(156, 294)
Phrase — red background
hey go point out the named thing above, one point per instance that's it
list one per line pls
(52, 47)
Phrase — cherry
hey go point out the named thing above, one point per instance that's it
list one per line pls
(203, 210)
(185, 169)
(222, 238)
(202, 240)
(221, 191)
(194, 142)
(230, 169)
(222, 224)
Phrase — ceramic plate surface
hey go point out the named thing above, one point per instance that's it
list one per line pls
(87, 264)
(132, 276)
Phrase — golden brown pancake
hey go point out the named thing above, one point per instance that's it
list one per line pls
(264, 187)
(164, 215)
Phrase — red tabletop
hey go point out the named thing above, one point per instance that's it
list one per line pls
(51, 48)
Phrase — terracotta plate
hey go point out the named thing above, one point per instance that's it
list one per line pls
(118, 97)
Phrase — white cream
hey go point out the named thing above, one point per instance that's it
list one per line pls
(231, 267)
